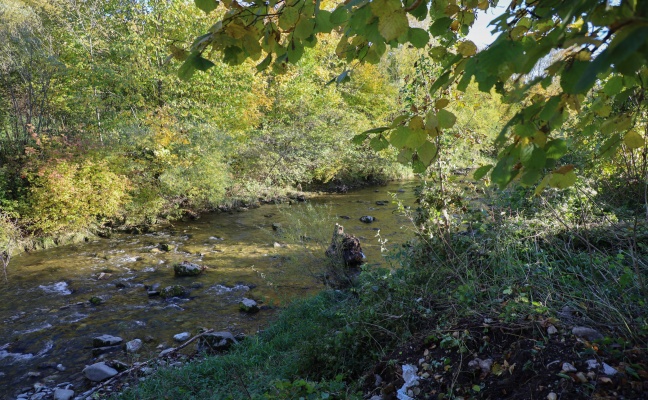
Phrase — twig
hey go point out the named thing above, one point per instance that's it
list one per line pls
(139, 366)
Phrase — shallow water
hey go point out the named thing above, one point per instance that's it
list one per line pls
(47, 318)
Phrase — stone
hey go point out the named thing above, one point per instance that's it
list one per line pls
(345, 246)
(60, 367)
(99, 372)
(133, 346)
(609, 370)
(63, 394)
(592, 364)
(587, 333)
(382, 203)
(276, 226)
(367, 219)
(97, 351)
(181, 337)
(166, 351)
(38, 396)
(581, 377)
(173, 291)
(552, 396)
(551, 330)
(95, 301)
(106, 340)
(248, 306)
(165, 247)
(186, 268)
(215, 341)
(567, 367)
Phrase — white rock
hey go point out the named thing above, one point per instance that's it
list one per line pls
(609, 370)
(133, 346)
(99, 372)
(167, 351)
(181, 337)
(63, 394)
(567, 367)
(592, 364)
(552, 396)
(60, 367)
(552, 330)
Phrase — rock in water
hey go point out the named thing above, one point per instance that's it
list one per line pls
(345, 246)
(181, 337)
(106, 340)
(186, 268)
(248, 306)
(99, 372)
(215, 341)
(63, 394)
(173, 291)
(133, 346)
(367, 219)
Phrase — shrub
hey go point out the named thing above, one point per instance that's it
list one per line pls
(67, 196)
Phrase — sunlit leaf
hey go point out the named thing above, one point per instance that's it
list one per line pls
(428, 152)
(399, 137)
(633, 140)
(446, 119)
(482, 171)
(394, 25)
(418, 37)
(206, 5)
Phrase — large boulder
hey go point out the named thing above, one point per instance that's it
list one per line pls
(215, 341)
(345, 247)
(186, 268)
(99, 372)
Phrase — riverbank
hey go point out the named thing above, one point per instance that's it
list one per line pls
(56, 301)
(517, 307)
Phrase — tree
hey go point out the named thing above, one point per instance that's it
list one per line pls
(604, 47)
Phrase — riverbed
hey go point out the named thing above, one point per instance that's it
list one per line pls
(56, 301)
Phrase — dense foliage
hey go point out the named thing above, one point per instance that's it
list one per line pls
(97, 129)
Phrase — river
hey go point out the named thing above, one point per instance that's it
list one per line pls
(49, 322)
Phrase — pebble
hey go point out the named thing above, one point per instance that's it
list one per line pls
(181, 337)
(60, 367)
(567, 367)
(63, 394)
(552, 396)
(552, 330)
(133, 346)
(592, 364)
(581, 377)
(609, 370)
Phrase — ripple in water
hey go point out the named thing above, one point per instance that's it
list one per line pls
(56, 288)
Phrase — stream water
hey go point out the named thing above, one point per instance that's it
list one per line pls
(48, 322)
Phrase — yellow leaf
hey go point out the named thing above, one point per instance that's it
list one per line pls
(467, 48)
(633, 140)
(441, 103)
(416, 123)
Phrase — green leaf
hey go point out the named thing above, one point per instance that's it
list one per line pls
(398, 120)
(503, 173)
(440, 26)
(193, 62)
(633, 140)
(304, 28)
(418, 166)
(339, 16)
(295, 51)
(532, 157)
(394, 25)
(288, 17)
(613, 86)
(384, 8)
(427, 153)
(610, 146)
(529, 176)
(418, 37)
(377, 130)
(476, 388)
(206, 5)
(446, 119)
(417, 137)
(359, 138)
(400, 136)
(379, 143)
(323, 21)
(556, 148)
(264, 64)
(481, 171)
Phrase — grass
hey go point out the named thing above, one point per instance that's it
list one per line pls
(542, 260)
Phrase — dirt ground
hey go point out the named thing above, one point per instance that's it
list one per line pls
(495, 360)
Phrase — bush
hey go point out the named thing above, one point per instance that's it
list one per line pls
(66, 196)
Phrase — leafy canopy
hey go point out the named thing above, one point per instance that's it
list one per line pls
(588, 46)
